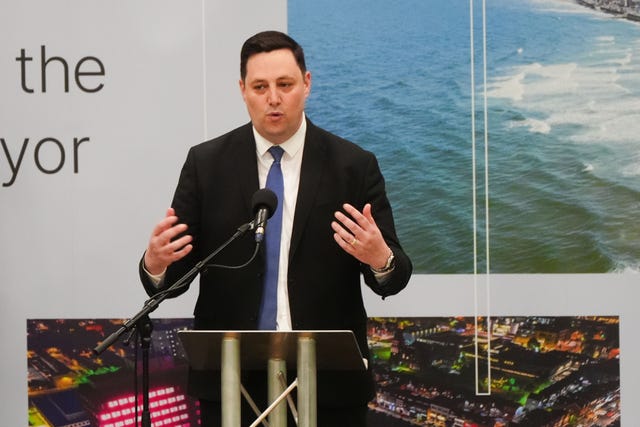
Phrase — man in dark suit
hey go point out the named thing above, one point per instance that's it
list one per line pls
(337, 224)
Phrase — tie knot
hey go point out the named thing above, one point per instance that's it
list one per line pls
(276, 153)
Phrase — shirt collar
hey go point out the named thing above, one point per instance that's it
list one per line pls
(291, 146)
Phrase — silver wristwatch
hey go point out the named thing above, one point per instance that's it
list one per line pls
(391, 262)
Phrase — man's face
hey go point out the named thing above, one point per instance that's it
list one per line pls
(275, 91)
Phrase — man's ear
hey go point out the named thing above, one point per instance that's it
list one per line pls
(242, 88)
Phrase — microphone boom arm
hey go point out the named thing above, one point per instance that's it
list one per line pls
(153, 303)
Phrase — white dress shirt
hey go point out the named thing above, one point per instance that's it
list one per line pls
(290, 163)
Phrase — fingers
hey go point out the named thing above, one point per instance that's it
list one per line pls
(169, 219)
(358, 234)
(349, 245)
(167, 229)
(354, 232)
(367, 213)
(164, 248)
(345, 231)
(358, 222)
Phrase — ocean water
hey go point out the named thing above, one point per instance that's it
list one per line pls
(563, 126)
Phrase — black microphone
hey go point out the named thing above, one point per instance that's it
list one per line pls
(264, 203)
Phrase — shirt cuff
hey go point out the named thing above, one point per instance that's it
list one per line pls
(382, 277)
(156, 279)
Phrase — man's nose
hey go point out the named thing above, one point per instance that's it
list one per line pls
(273, 96)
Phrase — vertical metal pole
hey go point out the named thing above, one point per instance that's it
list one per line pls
(307, 398)
(277, 417)
(230, 382)
(145, 328)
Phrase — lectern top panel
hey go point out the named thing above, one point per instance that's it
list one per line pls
(335, 350)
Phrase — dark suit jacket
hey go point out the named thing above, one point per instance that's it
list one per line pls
(213, 198)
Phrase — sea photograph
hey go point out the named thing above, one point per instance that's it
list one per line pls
(530, 167)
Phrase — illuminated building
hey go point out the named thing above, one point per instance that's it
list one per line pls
(62, 409)
(109, 406)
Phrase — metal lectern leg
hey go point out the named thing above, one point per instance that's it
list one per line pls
(307, 399)
(277, 367)
(230, 358)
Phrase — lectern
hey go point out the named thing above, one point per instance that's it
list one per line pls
(310, 351)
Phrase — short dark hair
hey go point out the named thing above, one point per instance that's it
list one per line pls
(268, 41)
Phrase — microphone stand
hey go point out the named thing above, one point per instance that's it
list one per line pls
(143, 324)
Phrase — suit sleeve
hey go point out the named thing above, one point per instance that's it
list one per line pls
(375, 193)
(186, 205)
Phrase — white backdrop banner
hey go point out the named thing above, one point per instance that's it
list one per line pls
(100, 102)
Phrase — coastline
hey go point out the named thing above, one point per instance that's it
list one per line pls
(563, 185)
(612, 7)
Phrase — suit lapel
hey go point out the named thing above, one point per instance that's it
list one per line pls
(313, 165)
(245, 167)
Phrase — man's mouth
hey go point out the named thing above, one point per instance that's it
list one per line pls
(274, 117)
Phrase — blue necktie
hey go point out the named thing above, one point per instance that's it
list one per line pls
(269, 306)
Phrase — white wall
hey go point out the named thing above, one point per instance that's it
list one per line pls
(70, 240)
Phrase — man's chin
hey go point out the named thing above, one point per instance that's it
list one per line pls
(275, 135)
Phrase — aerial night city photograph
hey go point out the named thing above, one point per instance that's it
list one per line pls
(529, 371)
(430, 371)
